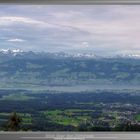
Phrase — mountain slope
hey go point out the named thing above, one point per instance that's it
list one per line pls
(44, 69)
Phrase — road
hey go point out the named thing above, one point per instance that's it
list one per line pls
(69, 136)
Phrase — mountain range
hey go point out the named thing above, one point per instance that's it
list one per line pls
(18, 52)
(39, 69)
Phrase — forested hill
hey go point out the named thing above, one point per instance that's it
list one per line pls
(30, 69)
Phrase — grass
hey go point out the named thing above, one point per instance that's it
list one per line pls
(4, 114)
(16, 97)
(67, 117)
(26, 117)
(137, 117)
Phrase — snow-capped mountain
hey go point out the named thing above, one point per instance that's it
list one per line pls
(132, 56)
(67, 69)
(18, 52)
(13, 52)
(85, 55)
(128, 56)
(76, 55)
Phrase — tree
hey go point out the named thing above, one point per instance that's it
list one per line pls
(14, 122)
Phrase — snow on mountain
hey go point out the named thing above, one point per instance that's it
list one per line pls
(18, 52)
(92, 55)
(13, 52)
(77, 55)
(85, 55)
(133, 56)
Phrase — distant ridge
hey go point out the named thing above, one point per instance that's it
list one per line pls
(19, 52)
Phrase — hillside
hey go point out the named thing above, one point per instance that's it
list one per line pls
(27, 69)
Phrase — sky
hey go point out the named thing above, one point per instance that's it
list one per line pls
(99, 29)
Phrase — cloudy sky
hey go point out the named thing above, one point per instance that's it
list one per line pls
(98, 29)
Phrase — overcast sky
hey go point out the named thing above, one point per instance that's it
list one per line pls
(98, 29)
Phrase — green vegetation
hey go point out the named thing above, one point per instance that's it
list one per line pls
(122, 75)
(26, 117)
(83, 111)
(14, 122)
(39, 72)
(67, 117)
(138, 117)
(17, 96)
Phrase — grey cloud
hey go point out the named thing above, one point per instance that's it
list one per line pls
(98, 28)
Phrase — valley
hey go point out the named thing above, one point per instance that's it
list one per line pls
(60, 92)
(75, 111)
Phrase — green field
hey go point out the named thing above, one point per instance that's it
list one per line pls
(138, 117)
(68, 117)
(16, 97)
(26, 117)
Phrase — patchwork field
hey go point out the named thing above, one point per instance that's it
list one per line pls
(77, 111)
